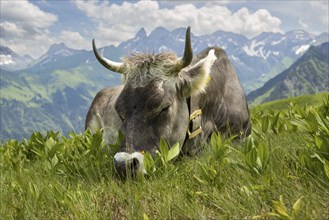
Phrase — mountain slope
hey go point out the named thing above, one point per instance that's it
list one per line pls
(308, 75)
(51, 97)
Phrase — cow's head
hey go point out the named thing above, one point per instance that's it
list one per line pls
(153, 103)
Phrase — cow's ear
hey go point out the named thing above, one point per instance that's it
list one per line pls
(193, 80)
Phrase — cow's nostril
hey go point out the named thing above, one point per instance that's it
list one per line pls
(134, 164)
(127, 164)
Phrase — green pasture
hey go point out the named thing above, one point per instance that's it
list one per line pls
(281, 171)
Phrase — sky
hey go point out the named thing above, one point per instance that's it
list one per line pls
(32, 26)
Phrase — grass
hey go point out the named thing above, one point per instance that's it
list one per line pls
(52, 177)
(175, 196)
(314, 100)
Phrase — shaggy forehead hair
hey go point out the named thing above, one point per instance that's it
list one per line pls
(142, 68)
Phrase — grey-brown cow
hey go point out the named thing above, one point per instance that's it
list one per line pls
(179, 99)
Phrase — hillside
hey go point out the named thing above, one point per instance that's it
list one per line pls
(314, 100)
(308, 75)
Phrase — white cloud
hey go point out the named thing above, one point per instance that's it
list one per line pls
(9, 29)
(312, 16)
(74, 40)
(26, 15)
(116, 23)
(24, 26)
(322, 9)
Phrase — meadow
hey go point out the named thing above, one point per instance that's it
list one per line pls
(281, 171)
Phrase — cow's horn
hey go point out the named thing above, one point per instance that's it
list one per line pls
(188, 53)
(109, 64)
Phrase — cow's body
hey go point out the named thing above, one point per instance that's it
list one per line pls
(223, 104)
(152, 103)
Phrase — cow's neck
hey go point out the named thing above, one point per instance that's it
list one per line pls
(194, 128)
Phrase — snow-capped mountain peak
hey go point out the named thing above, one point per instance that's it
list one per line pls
(55, 53)
(299, 35)
(60, 49)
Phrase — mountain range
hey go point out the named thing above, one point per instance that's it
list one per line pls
(308, 75)
(256, 60)
(54, 92)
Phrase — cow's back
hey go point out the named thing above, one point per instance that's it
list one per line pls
(224, 103)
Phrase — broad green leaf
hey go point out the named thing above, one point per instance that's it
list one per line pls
(263, 153)
(173, 152)
(54, 149)
(280, 208)
(276, 119)
(265, 123)
(149, 163)
(34, 190)
(50, 143)
(97, 140)
(54, 161)
(213, 140)
(312, 122)
(219, 140)
(251, 160)
(326, 168)
(318, 142)
(163, 147)
(230, 139)
(296, 207)
(259, 164)
(145, 217)
(315, 155)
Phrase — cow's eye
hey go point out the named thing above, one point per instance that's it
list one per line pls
(121, 117)
(164, 110)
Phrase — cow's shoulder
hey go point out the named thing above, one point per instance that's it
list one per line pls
(105, 96)
(103, 100)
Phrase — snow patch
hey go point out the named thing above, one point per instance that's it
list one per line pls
(302, 49)
(300, 35)
(234, 58)
(273, 43)
(180, 39)
(6, 59)
(251, 49)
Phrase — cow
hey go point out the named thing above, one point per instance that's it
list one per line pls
(182, 100)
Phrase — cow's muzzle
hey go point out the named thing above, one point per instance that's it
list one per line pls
(129, 164)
